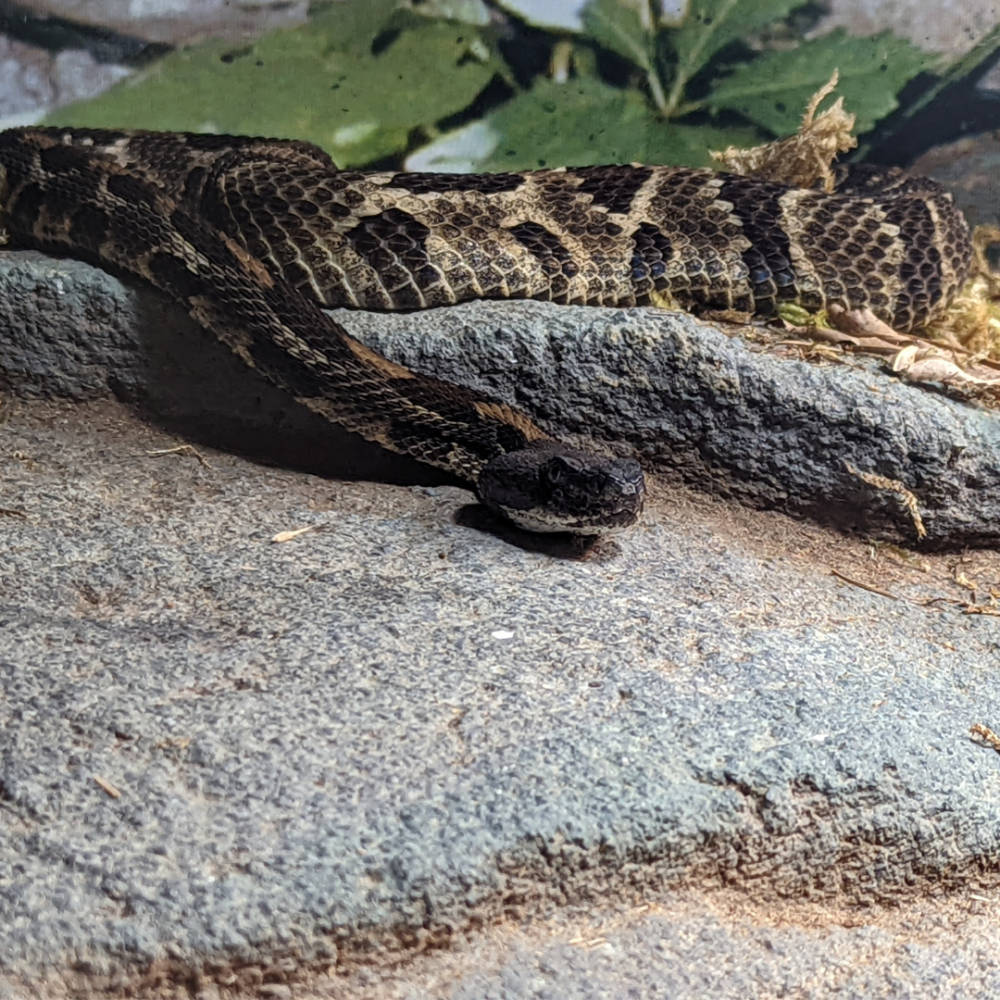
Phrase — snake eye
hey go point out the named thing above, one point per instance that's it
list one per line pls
(559, 470)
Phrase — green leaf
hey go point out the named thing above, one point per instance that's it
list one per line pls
(774, 89)
(710, 25)
(617, 26)
(321, 82)
(578, 123)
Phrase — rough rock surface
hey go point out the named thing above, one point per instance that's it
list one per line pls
(957, 27)
(674, 764)
(690, 400)
(176, 21)
(693, 764)
(226, 753)
(35, 79)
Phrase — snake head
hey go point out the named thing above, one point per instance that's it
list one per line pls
(548, 486)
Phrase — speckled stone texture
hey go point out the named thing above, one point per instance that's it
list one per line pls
(403, 756)
(231, 763)
(176, 21)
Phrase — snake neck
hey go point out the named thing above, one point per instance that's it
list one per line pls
(62, 198)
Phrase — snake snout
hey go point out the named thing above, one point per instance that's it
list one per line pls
(550, 486)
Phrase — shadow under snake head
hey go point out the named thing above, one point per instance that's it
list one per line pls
(548, 486)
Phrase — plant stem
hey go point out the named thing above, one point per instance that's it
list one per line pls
(656, 90)
(692, 62)
(687, 108)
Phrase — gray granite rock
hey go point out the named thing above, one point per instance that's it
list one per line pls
(235, 763)
(226, 760)
(35, 79)
(690, 400)
(951, 27)
(703, 945)
(176, 22)
(697, 403)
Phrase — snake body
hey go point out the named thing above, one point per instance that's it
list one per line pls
(255, 236)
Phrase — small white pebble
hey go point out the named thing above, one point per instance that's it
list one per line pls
(502, 634)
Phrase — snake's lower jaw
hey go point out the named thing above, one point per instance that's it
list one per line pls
(550, 487)
(539, 521)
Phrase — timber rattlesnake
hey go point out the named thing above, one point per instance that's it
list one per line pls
(253, 236)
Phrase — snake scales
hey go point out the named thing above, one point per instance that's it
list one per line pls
(254, 236)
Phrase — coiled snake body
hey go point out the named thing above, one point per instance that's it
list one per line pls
(253, 236)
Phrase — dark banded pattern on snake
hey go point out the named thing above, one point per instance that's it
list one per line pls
(253, 236)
